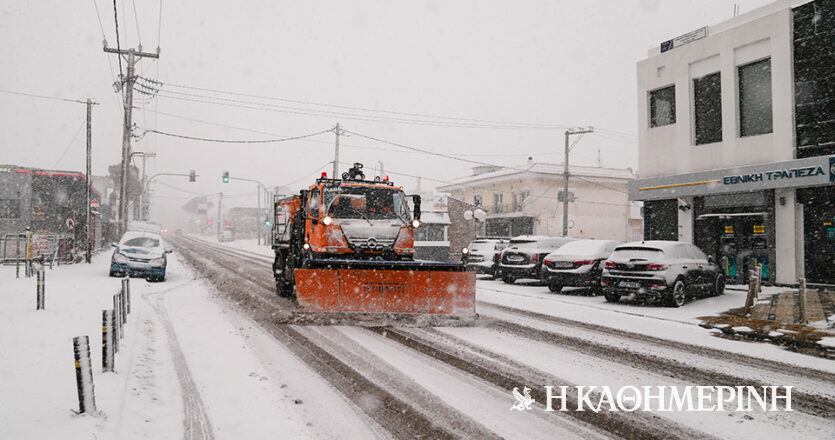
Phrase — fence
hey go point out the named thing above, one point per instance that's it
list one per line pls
(49, 248)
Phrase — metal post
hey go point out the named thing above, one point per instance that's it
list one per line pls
(88, 228)
(127, 295)
(117, 328)
(40, 289)
(336, 154)
(750, 299)
(565, 188)
(258, 220)
(17, 253)
(123, 300)
(219, 216)
(84, 375)
(803, 301)
(107, 340)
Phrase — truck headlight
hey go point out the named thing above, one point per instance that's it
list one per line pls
(465, 251)
(415, 223)
(327, 220)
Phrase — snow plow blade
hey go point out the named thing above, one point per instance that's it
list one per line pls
(385, 292)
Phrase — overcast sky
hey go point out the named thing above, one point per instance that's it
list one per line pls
(428, 68)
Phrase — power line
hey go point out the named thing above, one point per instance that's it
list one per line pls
(136, 20)
(253, 105)
(83, 123)
(118, 44)
(228, 141)
(371, 110)
(54, 98)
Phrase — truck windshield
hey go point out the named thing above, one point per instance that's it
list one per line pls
(365, 202)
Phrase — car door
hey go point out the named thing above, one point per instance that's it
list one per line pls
(703, 275)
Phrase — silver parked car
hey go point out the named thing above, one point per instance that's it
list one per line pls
(668, 270)
(482, 255)
(577, 264)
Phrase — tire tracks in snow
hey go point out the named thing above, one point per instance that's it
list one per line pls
(196, 423)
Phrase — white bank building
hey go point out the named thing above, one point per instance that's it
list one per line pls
(737, 141)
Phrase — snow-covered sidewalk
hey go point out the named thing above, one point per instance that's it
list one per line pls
(183, 350)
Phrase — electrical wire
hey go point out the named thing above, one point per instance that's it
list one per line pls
(229, 141)
(253, 105)
(118, 44)
(83, 123)
(371, 110)
(136, 20)
(54, 98)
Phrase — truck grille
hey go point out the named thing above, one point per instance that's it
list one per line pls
(371, 243)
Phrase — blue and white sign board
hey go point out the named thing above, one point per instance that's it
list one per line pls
(812, 171)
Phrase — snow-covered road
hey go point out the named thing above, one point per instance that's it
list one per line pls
(201, 360)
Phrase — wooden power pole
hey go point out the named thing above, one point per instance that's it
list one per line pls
(132, 57)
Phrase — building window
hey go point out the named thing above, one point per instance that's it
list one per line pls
(707, 105)
(497, 202)
(662, 106)
(523, 197)
(9, 208)
(430, 232)
(755, 98)
(515, 197)
(477, 200)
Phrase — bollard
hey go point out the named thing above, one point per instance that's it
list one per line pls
(117, 327)
(127, 297)
(750, 299)
(803, 300)
(84, 375)
(39, 288)
(107, 340)
(124, 300)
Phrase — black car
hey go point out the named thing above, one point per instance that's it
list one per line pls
(524, 255)
(578, 264)
(482, 255)
(668, 270)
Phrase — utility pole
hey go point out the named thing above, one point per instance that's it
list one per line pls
(258, 217)
(133, 56)
(219, 218)
(565, 197)
(88, 228)
(336, 153)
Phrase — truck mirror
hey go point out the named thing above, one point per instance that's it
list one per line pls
(416, 201)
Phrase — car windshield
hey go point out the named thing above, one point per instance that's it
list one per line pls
(144, 242)
(636, 253)
(348, 201)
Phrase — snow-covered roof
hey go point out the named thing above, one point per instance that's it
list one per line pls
(539, 168)
(435, 218)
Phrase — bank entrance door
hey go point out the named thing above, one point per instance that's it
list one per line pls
(819, 234)
(737, 241)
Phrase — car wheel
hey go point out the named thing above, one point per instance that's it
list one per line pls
(554, 287)
(508, 279)
(719, 285)
(595, 290)
(678, 295)
(611, 297)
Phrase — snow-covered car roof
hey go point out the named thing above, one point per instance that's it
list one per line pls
(662, 245)
(584, 247)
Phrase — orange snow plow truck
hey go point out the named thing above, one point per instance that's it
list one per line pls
(344, 249)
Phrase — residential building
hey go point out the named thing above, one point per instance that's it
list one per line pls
(737, 141)
(524, 200)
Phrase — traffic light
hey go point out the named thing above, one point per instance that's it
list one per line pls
(267, 222)
(192, 176)
(226, 177)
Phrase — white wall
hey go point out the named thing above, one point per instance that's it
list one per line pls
(669, 150)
